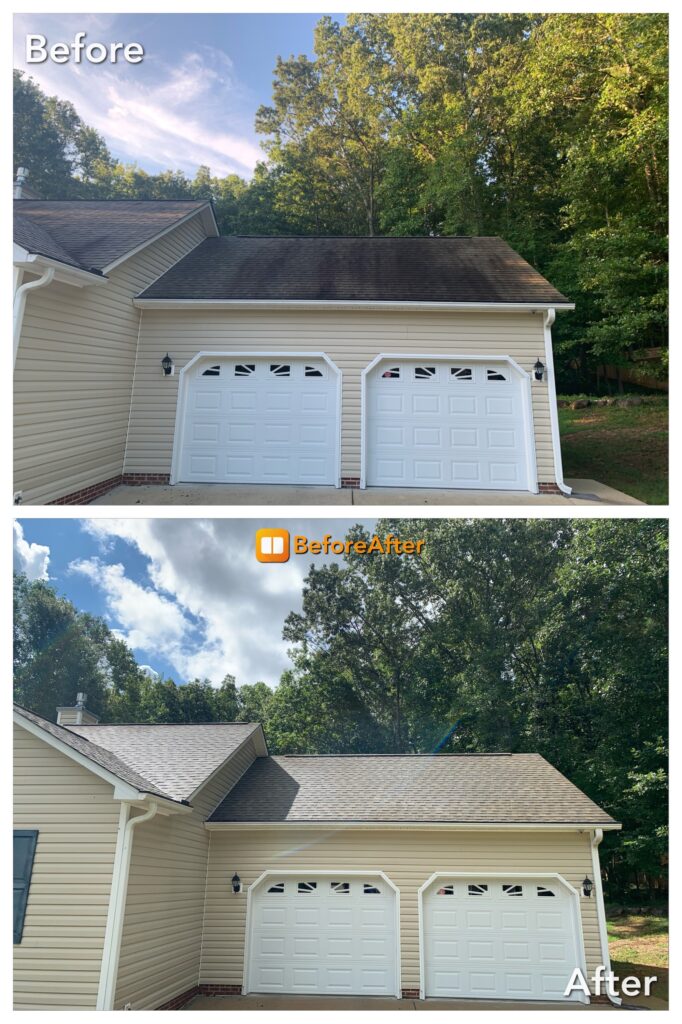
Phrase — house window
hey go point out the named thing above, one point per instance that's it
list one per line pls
(306, 887)
(424, 372)
(495, 375)
(474, 889)
(446, 890)
(244, 369)
(512, 890)
(211, 371)
(25, 841)
(342, 888)
(542, 891)
(277, 887)
(370, 890)
(391, 374)
(461, 372)
(280, 369)
(313, 371)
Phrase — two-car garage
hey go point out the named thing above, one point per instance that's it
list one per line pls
(514, 938)
(436, 421)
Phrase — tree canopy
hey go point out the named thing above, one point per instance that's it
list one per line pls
(549, 130)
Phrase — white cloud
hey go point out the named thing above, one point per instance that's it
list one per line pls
(159, 115)
(33, 559)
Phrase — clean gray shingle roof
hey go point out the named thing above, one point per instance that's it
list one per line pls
(100, 755)
(451, 269)
(176, 758)
(91, 234)
(484, 789)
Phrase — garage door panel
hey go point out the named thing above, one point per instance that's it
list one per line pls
(435, 415)
(287, 425)
(492, 951)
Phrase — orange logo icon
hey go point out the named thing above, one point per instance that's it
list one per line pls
(272, 545)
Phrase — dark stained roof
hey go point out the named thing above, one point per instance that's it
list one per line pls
(91, 234)
(177, 758)
(450, 269)
(470, 788)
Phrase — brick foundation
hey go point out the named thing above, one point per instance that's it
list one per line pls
(88, 494)
(138, 479)
(177, 1002)
(549, 488)
(410, 993)
(220, 990)
(350, 481)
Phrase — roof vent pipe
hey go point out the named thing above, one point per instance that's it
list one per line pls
(22, 175)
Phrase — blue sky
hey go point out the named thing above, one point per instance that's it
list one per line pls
(192, 100)
(187, 595)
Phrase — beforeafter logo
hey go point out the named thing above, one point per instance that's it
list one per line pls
(276, 545)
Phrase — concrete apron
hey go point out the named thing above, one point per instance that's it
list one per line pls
(330, 1003)
(586, 493)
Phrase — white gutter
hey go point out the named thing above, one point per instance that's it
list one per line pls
(401, 826)
(20, 304)
(117, 902)
(550, 317)
(597, 837)
(280, 304)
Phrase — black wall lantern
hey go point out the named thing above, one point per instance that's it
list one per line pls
(539, 368)
(167, 365)
(588, 886)
(236, 883)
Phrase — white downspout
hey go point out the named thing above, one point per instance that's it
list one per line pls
(549, 319)
(20, 304)
(597, 837)
(117, 901)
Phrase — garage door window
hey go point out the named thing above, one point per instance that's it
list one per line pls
(424, 372)
(211, 371)
(306, 887)
(340, 888)
(545, 892)
(512, 890)
(461, 373)
(277, 887)
(474, 889)
(313, 371)
(371, 890)
(446, 890)
(495, 375)
(280, 369)
(391, 374)
(244, 369)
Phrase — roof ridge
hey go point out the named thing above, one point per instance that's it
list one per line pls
(128, 725)
(472, 753)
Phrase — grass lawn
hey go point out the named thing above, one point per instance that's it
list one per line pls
(624, 448)
(638, 944)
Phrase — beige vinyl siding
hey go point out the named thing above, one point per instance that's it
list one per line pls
(351, 339)
(408, 857)
(74, 373)
(57, 963)
(162, 931)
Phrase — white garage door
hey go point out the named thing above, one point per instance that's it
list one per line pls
(257, 420)
(508, 939)
(446, 424)
(323, 935)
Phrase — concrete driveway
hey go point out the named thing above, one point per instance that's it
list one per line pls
(587, 493)
(330, 1003)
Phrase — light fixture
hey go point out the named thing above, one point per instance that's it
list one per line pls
(539, 368)
(588, 886)
(236, 883)
(167, 365)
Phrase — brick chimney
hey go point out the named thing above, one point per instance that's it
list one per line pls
(78, 715)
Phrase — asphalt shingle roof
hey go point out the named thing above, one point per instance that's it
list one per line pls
(91, 234)
(176, 758)
(451, 269)
(484, 789)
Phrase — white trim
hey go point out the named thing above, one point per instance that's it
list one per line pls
(74, 276)
(181, 404)
(171, 227)
(19, 306)
(433, 307)
(292, 873)
(117, 905)
(553, 408)
(575, 901)
(595, 840)
(526, 395)
(401, 826)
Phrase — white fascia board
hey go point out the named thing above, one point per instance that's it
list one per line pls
(424, 826)
(261, 751)
(278, 304)
(122, 790)
(36, 264)
(209, 224)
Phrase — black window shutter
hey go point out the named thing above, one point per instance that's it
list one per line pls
(24, 851)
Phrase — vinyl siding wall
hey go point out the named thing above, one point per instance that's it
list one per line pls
(162, 931)
(57, 963)
(74, 373)
(408, 857)
(351, 339)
